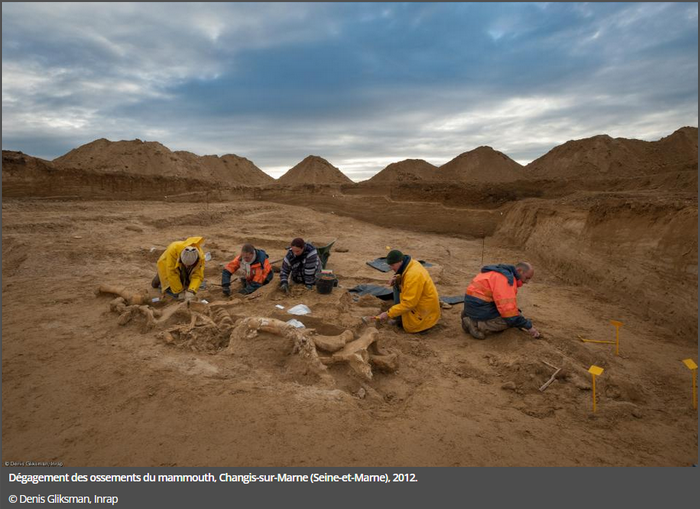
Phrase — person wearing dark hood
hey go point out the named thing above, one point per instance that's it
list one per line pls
(417, 305)
(255, 265)
(490, 301)
(301, 265)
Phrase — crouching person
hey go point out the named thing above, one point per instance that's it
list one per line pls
(255, 265)
(490, 303)
(181, 269)
(417, 305)
(300, 265)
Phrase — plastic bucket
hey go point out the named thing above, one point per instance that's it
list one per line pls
(325, 285)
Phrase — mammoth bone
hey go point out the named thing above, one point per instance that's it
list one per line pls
(131, 298)
(346, 350)
(215, 322)
(248, 328)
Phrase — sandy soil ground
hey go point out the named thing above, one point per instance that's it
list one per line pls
(82, 389)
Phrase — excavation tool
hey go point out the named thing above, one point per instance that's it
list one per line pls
(595, 371)
(370, 320)
(617, 326)
(552, 378)
(694, 368)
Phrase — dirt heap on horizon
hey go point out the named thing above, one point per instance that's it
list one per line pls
(20, 163)
(154, 159)
(408, 170)
(603, 156)
(231, 168)
(483, 164)
(314, 170)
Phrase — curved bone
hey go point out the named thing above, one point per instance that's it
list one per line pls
(355, 354)
(154, 317)
(388, 363)
(132, 298)
(333, 343)
(302, 345)
(222, 318)
(132, 311)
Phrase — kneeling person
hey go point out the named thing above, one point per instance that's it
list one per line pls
(301, 265)
(417, 302)
(181, 269)
(254, 263)
(490, 302)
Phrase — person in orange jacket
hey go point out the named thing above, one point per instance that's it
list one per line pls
(254, 263)
(417, 305)
(490, 301)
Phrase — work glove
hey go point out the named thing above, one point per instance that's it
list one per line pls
(226, 290)
(284, 287)
(246, 291)
(533, 332)
(189, 296)
(181, 296)
(309, 287)
(383, 317)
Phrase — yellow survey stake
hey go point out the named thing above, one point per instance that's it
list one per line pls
(595, 370)
(694, 369)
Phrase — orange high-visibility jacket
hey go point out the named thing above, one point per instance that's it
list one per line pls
(493, 287)
(259, 269)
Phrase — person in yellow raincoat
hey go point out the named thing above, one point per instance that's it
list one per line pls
(181, 269)
(417, 305)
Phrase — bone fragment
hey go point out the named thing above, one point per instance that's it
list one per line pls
(131, 298)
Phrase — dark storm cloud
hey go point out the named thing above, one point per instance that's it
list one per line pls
(359, 84)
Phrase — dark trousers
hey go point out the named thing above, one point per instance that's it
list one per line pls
(246, 286)
(397, 300)
(184, 279)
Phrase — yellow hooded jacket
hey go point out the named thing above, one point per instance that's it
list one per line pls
(169, 265)
(419, 308)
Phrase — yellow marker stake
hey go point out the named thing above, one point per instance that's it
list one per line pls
(595, 371)
(617, 335)
(694, 368)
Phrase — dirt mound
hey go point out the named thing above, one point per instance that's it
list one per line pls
(20, 164)
(679, 150)
(483, 164)
(314, 170)
(234, 169)
(408, 170)
(151, 158)
(133, 156)
(603, 156)
(25, 176)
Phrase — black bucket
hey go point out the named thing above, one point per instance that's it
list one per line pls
(325, 285)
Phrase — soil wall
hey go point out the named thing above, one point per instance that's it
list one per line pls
(48, 182)
(641, 253)
(419, 215)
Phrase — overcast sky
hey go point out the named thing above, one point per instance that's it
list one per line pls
(360, 84)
